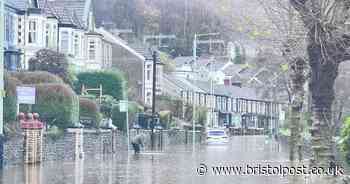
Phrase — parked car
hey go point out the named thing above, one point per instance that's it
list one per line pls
(217, 136)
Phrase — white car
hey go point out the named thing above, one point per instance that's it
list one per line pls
(217, 136)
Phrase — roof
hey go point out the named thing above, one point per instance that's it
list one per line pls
(182, 83)
(182, 60)
(236, 92)
(68, 11)
(141, 49)
(234, 69)
(118, 41)
(19, 4)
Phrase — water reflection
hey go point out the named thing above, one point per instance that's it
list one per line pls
(32, 174)
(176, 165)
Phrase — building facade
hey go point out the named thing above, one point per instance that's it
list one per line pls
(64, 26)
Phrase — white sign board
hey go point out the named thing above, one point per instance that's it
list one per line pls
(25, 95)
(282, 116)
(123, 106)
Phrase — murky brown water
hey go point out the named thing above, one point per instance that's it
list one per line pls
(175, 165)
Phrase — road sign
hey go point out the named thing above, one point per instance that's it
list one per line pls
(25, 95)
(123, 106)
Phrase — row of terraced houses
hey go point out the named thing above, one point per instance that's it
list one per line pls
(68, 26)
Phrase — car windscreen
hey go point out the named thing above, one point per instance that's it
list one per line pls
(216, 133)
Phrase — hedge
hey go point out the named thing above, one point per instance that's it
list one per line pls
(57, 105)
(112, 82)
(10, 100)
(345, 139)
(89, 109)
(37, 77)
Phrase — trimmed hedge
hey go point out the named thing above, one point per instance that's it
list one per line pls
(89, 109)
(57, 105)
(38, 77)
(112, 82)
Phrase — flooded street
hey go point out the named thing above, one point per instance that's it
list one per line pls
(176, 164)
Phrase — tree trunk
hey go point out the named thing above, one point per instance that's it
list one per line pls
(323, 74)
(298, 80)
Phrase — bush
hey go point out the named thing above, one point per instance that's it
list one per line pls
(53, 62)
(89, 109)
(57, 105)
(119, 118)
(10, 100)
(345, 139)
(200, 114)
(112, 82)
(38, 77)
(165, 118)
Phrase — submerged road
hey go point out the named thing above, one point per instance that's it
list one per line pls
(177, 164)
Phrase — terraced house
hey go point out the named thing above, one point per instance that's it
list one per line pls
(63, 25)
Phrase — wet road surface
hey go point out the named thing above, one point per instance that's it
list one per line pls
(177, 164)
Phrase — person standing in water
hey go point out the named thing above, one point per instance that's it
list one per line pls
(137, 143)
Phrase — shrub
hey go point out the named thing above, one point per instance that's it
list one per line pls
(112, 82)
(53, 62)
(57, 105)
(37, 77)
(119, 118)
(10, 100)
(89, 109)
(165, 118)
(345, 139)
(200, 114)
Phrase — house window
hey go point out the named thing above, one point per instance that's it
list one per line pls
(64, 41)
(47, 35)
(32, 38)
(148, 74)
(54, 35)
(76, 45)
(92, 51)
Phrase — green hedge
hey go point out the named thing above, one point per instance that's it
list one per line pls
(10, 100)
(89, 109)
(119, 118)
(112, 82)
(345, 139)
(57, 105)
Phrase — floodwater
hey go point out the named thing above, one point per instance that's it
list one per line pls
(177, 164)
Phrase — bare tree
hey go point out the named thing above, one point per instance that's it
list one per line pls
(327, 45)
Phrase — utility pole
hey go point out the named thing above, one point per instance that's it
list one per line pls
(154, 90)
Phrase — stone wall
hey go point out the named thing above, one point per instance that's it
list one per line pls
(76, 143)
(63, 148)
(13, 149)
(97, 142)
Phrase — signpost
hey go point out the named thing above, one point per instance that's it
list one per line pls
(123, 107)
